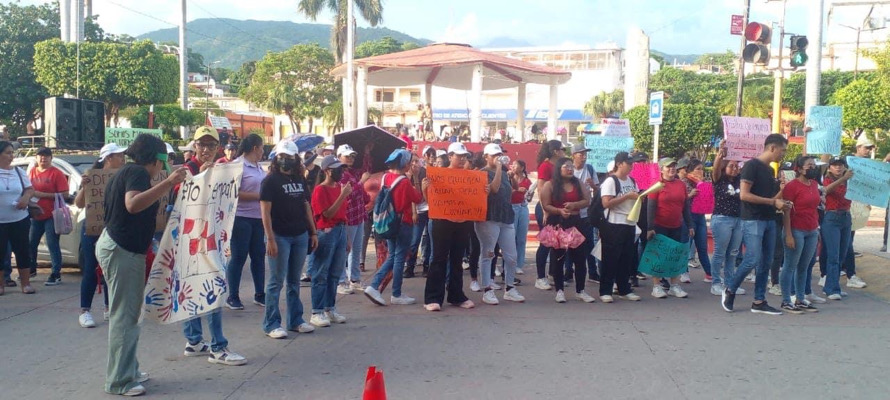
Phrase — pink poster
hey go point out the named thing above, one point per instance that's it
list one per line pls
(703, 203)
(645, 174)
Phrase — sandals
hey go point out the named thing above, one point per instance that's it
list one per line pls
(27, 289)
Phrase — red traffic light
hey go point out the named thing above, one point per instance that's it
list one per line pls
(756, 53)
(757, 32)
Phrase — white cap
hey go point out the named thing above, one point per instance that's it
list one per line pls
(189, 147)
(864, 141)
(329, 147)
(286, 147)
(440, 153)
(169, 148)
(345, 150)
(457, 148)
(610, 166)
(109, 149)
(426, 149)
(492, 149)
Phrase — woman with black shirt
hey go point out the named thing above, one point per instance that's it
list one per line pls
(725, 224)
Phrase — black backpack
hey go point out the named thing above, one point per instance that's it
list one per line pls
(596, 212)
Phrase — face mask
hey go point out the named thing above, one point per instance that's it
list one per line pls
(286, 164)
(812, 174)
(336, 174)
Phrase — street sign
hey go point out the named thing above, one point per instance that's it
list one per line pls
(656, 108)
(737, 26)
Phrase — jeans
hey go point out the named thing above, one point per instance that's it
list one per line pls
(330, 260)
(398, 250)
(700, 225)
(352, 272)
(836, 241)
(247, 239)
(285, 268)
(759, 237)
(88, 264)
(417, 243)
(449, 244)
(492, 233)
(38, 228)
(520, 223)
(796, 263)
(192, 331)
(849, 263)
(727, 233)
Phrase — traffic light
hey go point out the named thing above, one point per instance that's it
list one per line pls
(799, 51)
(759, 36)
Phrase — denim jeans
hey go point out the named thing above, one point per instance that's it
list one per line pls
(848, 264)
(727, 233)
(398, 250)
(330, 260)
(247, 239)
(700, 225)
(492, 233)
(836, 241)
(285, 269)
(417, 243)
(88, 264)
(797, 261)
(759, 237)
(352, 272)
(520, 223)
(38, 228)
(193, 333)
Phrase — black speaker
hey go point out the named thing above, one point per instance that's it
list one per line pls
(63, 121)
(92, 119)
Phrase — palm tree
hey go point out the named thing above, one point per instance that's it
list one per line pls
(605, 105)
(370, 10)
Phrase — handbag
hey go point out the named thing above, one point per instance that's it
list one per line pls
(34, 210)
(62, 216)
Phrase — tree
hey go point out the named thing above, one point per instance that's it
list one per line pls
(120, 75)
(881, 57)
(724, 61)
(296, 82)
(168, 117)
(686, 128)
(386, 45)
(333, 116)
(240, 79)
(795, 88)
(687, 87)
(605, 105)
(370, 10)
(866, 106)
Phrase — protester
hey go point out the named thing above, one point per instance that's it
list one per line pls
(49, 182)
(725, 224)
(15, 222)
(420, 238)
(329, 200)
(548, 154)
(520, 184)
(760, 198)
(247, 230)
(699, 227)
(586, 174)
(619, 192)
(801, 228)
(474, 248)
(836, 225)
(354, 176)
(131, 206)
(669, 215)
(229, 153)
(290, 232)
(188, 151)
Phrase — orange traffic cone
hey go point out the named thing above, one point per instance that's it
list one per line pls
(375, 388)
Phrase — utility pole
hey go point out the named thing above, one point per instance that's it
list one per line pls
(814, 70)
(350, 67)
(741, 85)
(183, 70)
(780, 76)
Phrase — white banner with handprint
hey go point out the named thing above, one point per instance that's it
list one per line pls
(187, 278)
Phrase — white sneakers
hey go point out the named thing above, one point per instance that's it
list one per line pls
(513, 295)
(226, 357)
(374, 295)
(775, 290)
(490, 298)
(86, 320)
(815, 299)
(855, 282)
(494, 286)
(631, 297)
(677, 292)
(560, 296)
(835, 296)
(345, 288)
(717, 289)
(542, 284)
(305, 328)
(606, 298)
(403, 300)
(137, 390)
(684, 277)
(277, 333)
(320, 320)
(822, 281)
(519, 271)
(474, 286)
(658, 291)
(583, 296)
(335, 317)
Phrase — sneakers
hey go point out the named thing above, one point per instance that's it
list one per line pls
(199, 349)
(815, 299)
(106, 314)
(432, 307)
(751, 277)
(234, 304)
(658, 292)
(606, 298)
(822, 281)
(305, 280)
(334, 317)
(513, 295)
(467, 305)
(374, 295)
(806, 307)
(775, 290)
(494, 286)
(631, 297)
(304, 328)
(259, 299)
(708, 279)
(137, 390)
(320, 320)
(357, 285)
(694, 264)
(855, 282)
(764, 308)
(684, 277)
(583, 296)
(677, 292)
(717, 289)
(727, 300)
(490, 298)
(53, 280)
(789, 308)
(226, 357)
(86, 320)
(345, 288)
(740, 292)
(403, 300)
(542, 284)
(836, 296)
(474, 286)
(278, 333)
(142, 377)
(560, 296)
(497, 272)
(519, 271)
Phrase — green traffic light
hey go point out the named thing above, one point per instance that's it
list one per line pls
(799, 59)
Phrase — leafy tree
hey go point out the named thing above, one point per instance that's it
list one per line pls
(795, 88)
(240, 79)
(296, 82)
(687, 87)
(205, 105)
(168, 117)
(370, 10)
(725, 61)
(686, 128)
(881, 57)
(386, 45)
(333, 115)
(866, 106)
(605, 105)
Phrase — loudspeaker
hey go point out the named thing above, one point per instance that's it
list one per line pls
(92, 119)
(63, 121)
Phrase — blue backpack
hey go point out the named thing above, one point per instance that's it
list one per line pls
(386, 221)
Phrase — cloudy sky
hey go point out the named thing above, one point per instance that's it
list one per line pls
(675, 26)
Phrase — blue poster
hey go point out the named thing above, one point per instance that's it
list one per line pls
(870, 182)
(664, 257)
(826, 123)
(604, 148)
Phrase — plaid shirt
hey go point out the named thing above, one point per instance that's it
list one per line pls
(355, 203)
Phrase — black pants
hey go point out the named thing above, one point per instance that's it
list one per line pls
(16, 234)
(558, 260)
(450, 242)
(618, 257)
(475, 251)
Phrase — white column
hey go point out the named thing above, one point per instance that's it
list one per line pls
(183, 70)
(349, 99)
(65, 20)
(76, 21)
(428, 95)
(552, 113)
(520, 112)
(476, 104)
(347, 110)
(814, 69)
(361, 97)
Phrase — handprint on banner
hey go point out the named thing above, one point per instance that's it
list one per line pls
(209, 293)
(154, 299)
(221, 284)
(193, 308)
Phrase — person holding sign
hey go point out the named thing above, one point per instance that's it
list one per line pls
(725, 225)
(111, 157)
(548, 154)
(694, 176)
(836, 225)
(801, 228)
(618, 235)
(668, 213)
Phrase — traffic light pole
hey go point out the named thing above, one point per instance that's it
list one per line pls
(780, 76)
(741, 71)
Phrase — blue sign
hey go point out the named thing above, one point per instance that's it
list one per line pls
(656, 108)
(826, 124)
(664, 257)
(603, 149)
(462, 114)
(870, 181)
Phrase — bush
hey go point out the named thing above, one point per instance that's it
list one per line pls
(686, 128)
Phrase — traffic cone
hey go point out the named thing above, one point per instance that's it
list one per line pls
(375, 388)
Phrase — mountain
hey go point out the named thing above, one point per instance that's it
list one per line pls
(678, 58)
(234, 42)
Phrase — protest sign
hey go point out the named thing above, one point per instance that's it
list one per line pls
(616, 127)
(645, 174)
(825, 136)
(703, 202)
(457, 194)
(124, 136)
(664, 257)
(860, 213)
(187, 278)
(94, 197)
(161, 219)
(870, 182)
(744, 137)
(603, 149)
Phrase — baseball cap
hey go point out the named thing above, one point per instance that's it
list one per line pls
(683, 163)
(345, 150)
(492, 149)
(579, 148)
(109, 149)
(440, 153)
(286, 147)
(639, 156)
(457, 148)
(169, 148)
(45, 151)
(664, 162)
(864, 141)
(206, 131)
(188, 147)
(629, 157)
(427, 148)
(837, 160)
(400, 155)
(330, 162)
(329, 147)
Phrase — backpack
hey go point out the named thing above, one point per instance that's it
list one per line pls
(596, 212)
(386, 221)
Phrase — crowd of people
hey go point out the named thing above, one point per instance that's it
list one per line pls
(317, 211)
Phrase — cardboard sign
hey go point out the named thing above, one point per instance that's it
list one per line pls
(860, 213)
(95, 200)
(664, 257)
(603, 149)
(616, 127)
(826, 122)
(161, 219)
(870, 182)
(703, 202)
(187, 278)
(125, 136)
(457, 194)
(645, 174)
(745, 137)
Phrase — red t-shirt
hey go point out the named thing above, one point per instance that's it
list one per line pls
(568, 197)
(50, 181)
(403, 196)
(517, 197)
(322, 199)
(545, 170)
(671, 200)
(836, 200)
(806, 199)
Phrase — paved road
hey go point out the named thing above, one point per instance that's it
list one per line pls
(669, 349)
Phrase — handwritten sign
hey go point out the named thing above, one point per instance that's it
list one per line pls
(664, 257)
(616, 127)
(187, 278)
(860, 213)
(94, 197)
(826, 122)
(161, 219)
(604, 148)
(744, 137)
(703, 202)
(457, 194)
(125, 136)
(645, 174)
(870, 182)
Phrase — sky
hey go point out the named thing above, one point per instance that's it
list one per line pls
(674, 26)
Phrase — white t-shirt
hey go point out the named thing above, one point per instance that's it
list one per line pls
(583, 174)
(10, 193)
(618, 215)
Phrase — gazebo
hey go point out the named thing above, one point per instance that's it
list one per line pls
(456, 66)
